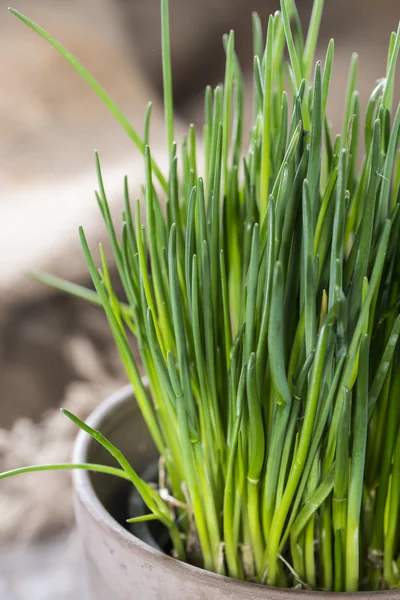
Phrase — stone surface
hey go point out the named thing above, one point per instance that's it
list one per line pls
(50, 569)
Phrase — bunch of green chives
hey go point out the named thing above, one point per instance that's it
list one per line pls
(265, 300)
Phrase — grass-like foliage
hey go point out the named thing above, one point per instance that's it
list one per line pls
(264, 295)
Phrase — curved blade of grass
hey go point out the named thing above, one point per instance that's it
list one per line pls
(123, 347)
(356, 479)
(255, 462)
(227, 328)
(316, 441)
(234, 564)
(384, 366)
(348, 374)
(340, 491)
(391, 572)
(388, 169)
(314, 163)
(258, 43)
(303, 448)
(291, 212)
(293, 146)
(94, 468)
(179, 329)
(313, 503)
(262, 345)
(150, 497)
(252, 279)
(167, 74)
(312, 37)
(163, 325)
(326, 79)
(367, 224)
(294, 59)
(310, 313)
(275, 340)
(98, 89)
(351, 84)
(369, 116)
(267, 112)
(337, 250)
(256, 428)
(152, 500)
(146, 129)
(229, 70)
(73, 289)
(143, 519)
(387, 99)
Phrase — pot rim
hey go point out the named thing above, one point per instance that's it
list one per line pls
(85, 492)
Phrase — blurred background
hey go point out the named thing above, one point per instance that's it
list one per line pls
(55, 350)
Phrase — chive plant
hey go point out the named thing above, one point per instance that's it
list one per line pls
(263, 291)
